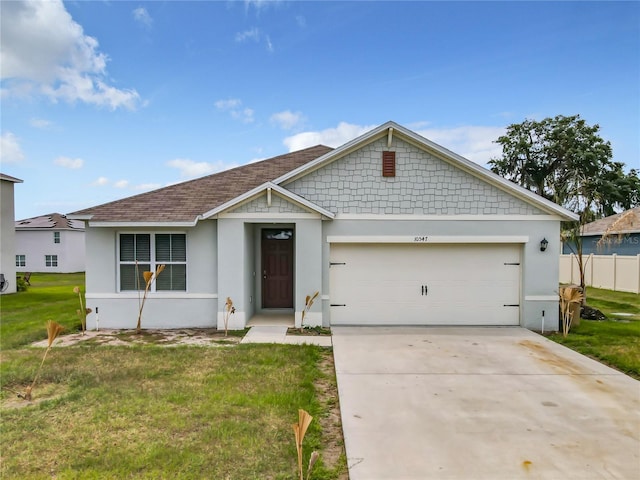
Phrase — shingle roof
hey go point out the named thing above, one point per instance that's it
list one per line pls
(52, 221)
(183, 202)
(629, 225)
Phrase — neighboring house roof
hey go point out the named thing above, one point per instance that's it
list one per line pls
(631, 223)
(52, 221)
(185, 202)
(9, 178)
(203, 197)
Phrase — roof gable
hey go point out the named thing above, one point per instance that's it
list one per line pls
(423, 184)
(390, 130)
(269, 198)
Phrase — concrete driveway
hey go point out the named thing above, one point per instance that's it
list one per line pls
(481, 403)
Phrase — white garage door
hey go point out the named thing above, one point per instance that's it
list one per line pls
(409, 284)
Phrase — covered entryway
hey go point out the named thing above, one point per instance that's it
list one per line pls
(277, 268)
(425, 284)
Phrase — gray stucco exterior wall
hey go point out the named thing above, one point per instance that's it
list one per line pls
(196, 307)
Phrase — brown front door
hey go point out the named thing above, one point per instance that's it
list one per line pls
(277, 268)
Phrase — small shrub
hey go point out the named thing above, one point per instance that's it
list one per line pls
(21, 285)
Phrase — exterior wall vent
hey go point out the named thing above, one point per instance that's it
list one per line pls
(388, 164)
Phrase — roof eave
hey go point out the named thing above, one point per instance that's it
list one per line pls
(136, 224)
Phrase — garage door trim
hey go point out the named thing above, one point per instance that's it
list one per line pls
(465, 239)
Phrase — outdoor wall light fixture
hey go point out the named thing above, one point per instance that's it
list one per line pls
(543, 244)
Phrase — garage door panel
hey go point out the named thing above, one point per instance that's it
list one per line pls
(425, 284)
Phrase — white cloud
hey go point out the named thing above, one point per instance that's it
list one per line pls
(141, 15)
(45, 52)
(253, 34)
(228, 104)
(234, 107)
(147, 186)
(245, 115)
(473, 142)
(39, 123)
(100, 182)
(124, 184)
(190, 169)
(331, 137)
(66, 162)
(287, 119)
(10, 151)
(260, 4)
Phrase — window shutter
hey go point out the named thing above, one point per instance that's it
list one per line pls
(388, 164)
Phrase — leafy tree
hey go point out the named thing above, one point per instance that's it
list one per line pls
(566, 161)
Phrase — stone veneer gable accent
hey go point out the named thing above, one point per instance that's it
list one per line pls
(423, 185)
(278, 205)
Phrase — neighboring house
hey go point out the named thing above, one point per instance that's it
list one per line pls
(622, 239)
(49, 243)
(7, 234)
(390, 228)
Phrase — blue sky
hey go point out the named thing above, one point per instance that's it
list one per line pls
(103, 100)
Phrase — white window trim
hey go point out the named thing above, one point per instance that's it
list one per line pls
(57, 238)
(24, 260)
(152, 262)
(51, 260)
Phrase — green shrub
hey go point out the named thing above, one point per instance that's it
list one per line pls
(21, 285)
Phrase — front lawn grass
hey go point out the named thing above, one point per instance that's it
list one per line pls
(50, 297)
(150, 411)
(616, 341)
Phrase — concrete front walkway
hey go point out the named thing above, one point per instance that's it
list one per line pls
(278, 334)
(481, 403)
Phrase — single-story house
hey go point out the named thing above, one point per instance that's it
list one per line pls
(623, 237)
(7, 234)
(49, 243)
(390, 229)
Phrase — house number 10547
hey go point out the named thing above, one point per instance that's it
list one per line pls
(420, 239)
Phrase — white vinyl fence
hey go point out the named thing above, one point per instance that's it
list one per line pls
(613, 272)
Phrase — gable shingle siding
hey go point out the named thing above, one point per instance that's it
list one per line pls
(423, 184)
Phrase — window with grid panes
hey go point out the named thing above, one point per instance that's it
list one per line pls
(140, 252)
